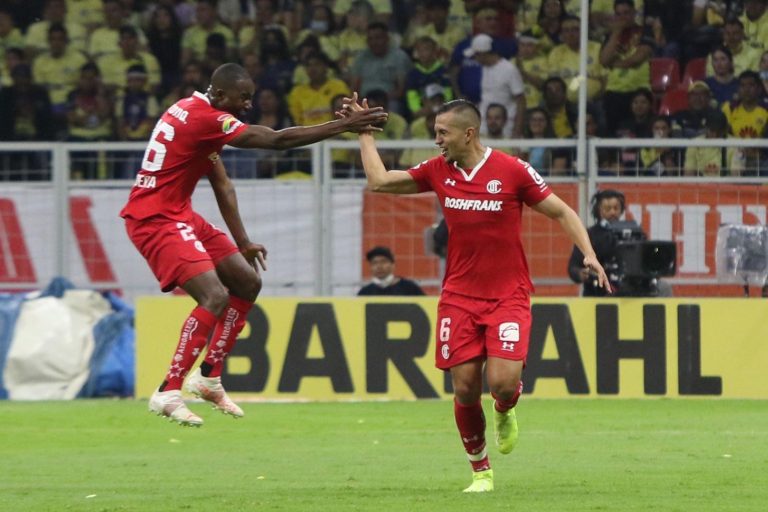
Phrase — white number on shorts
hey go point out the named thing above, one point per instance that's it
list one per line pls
(186, 232)
(188, 235)
(155, 153)
(445, 329)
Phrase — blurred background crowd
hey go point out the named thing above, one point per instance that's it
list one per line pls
(94, 70)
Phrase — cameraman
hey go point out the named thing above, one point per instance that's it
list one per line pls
(607, 207)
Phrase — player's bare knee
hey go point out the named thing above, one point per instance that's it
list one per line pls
(247, 288)
(505, 390)
(467, 393)
(215, 300)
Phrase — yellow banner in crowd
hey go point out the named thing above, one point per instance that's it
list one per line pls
(367, 349)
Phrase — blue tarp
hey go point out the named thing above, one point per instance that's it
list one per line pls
(112, 362)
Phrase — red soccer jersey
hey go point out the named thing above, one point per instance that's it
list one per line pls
(184, 144)
(483, 211)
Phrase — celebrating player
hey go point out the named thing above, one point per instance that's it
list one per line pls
(184, 250)
(484, 313)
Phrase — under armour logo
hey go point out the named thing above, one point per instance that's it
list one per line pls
(507, 346)
(449, 181)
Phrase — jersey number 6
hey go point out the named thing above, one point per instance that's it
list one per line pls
(154, 162)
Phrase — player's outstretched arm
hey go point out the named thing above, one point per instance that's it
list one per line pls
(379, 178)
(554, 208)
(263, 137)
(226, 198)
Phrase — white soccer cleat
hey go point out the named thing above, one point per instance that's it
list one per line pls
(171, 405)
(211, 390)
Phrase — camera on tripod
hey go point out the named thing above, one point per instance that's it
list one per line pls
(639, 263)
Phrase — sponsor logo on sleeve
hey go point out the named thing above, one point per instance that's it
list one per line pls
(228, 123)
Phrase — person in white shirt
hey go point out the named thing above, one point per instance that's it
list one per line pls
(501, 83)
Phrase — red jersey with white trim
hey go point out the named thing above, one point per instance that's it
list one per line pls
(185, 143)
(483, 210)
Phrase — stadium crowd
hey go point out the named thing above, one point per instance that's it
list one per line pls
(94, 70)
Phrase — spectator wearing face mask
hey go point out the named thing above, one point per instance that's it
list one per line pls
(383, 280)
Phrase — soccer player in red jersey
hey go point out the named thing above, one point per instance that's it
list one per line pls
(184, 250)
(484, 313)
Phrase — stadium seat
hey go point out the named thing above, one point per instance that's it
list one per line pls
(696, 69)
(673, 101)
(665, 74)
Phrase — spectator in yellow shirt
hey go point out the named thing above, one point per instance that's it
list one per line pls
(114, 67)
(564, 60)
(105, 40)
(194, 37)
(310, 103)
(54, 12)
(58, 69)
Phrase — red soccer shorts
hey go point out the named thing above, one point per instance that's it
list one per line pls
(178, 251)
(468, 328)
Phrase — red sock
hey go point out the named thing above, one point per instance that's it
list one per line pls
(471, 423)
(505, 405)
(230, 323)
(194, 334)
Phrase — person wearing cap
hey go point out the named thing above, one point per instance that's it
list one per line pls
(113, 66)
(383, 280)
(500, 83)
(426, 79)
(689, 123)
(466, 72)
(715, 160)
(722, 82)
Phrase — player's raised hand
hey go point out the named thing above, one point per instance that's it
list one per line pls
(595, 268)
(362, 118)
(255, 253)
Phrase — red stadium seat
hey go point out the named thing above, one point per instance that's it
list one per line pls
(665, 74)
(673, 101)
(696, 69)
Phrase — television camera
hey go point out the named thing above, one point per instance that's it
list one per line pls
(637, 263)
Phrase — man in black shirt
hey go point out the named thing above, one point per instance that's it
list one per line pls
(607, 208)
(384, 281)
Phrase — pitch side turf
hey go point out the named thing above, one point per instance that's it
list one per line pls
(608, 455)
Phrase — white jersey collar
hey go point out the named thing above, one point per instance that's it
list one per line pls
(201, 96)
(475, 169)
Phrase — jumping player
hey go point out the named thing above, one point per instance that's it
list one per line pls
(484, 313)
(183, 249)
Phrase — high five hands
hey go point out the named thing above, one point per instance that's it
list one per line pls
(351, 109)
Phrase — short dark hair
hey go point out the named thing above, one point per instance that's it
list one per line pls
(460, 106)
(380, 25)
(601, 196)
(380, 250)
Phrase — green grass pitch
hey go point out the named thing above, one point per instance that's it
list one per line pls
(573, 455)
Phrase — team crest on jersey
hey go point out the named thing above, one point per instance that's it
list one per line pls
(493, 186)
(228, 123)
